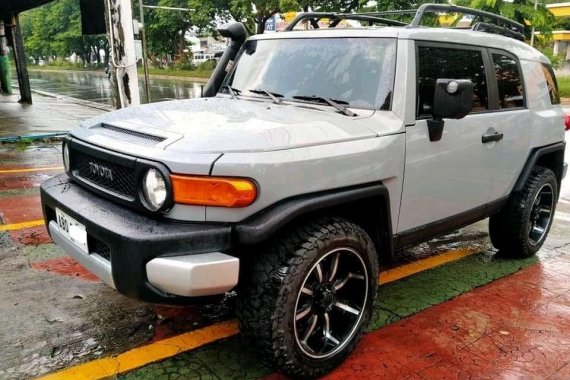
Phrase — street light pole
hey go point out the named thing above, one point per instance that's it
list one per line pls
(532, 33)
(145, 62)
(143, 39)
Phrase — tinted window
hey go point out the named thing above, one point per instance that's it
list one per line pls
(358, 71)
(511, 94)
(449, 63)
(551, 83)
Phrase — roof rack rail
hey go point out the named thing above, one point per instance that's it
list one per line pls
(485, 21)
(494, 29)
(336, 18)
(499, 22)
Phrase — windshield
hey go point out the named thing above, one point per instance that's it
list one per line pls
(356, 71)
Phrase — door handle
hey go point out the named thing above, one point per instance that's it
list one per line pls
(492, 136)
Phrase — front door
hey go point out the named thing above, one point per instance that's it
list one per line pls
(454, 175)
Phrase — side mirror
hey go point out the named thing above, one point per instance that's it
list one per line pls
(453, 99)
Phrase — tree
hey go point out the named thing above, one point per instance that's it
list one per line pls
(54, 31)
(254, 14)
(519, 10)
(166, 29)
(323, 5)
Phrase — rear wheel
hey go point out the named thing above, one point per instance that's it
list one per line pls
(307, 300)
(520, 229)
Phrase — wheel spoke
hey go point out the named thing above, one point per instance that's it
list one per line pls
(331, 302)
(344, 306)
(302, 314)
(538, 230)
(319, 273)
(350, 275)
(310, 329)
(334, 267)
(327, 330)
(544, 210)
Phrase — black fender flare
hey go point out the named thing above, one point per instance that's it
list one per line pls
(264, 224)
(557, 148)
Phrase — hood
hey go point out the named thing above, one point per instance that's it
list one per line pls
(224, 125)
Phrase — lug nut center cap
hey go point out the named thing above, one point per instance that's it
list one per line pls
(325, 297)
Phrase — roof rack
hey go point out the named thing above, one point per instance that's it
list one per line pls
(335, 18)
(484, 21)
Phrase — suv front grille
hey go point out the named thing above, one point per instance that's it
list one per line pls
(110, 176)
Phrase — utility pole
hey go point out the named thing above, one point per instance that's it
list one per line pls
(143, 38)
(532, 33)
(5, 84)
(123, 55)
(145, 61)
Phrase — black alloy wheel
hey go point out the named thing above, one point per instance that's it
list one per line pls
(304, 300)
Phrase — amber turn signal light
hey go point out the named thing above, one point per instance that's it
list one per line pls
(213, 191)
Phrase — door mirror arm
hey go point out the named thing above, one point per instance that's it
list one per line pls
(453, 99)
(435, 129)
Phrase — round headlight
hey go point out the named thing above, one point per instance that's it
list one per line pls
(66, 157)
(154, 189)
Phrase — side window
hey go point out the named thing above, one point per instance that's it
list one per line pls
(511, 93)
(551, 83)
(449, 63)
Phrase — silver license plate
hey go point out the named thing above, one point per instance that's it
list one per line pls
(72, 229)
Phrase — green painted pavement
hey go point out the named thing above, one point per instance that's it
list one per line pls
(234, 359)
(19, 192)
(43, 252)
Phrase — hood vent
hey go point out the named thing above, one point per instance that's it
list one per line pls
(139, 138)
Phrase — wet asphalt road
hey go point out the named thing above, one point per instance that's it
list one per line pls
(56, 315)
(94, 86)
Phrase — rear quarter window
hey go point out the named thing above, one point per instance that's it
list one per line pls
(509, 82)
(551, 83)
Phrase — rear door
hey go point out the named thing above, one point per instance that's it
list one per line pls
(455, 175)
(516, 123)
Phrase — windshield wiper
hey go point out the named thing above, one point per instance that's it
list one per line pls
(332, 102)
(233, 91)
(273, 95)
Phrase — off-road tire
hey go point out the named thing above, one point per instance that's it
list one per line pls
(509, 229)
(269, 291)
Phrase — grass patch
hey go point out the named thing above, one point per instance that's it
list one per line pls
(564, 86)
(178, 73)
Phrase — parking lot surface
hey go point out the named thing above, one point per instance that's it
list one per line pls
(450, 308)
(57, 315)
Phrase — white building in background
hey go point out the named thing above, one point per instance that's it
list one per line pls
(205, 48)
(193, 41)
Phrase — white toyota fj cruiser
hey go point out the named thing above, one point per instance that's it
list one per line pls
(314, 155)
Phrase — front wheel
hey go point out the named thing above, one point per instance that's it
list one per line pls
(307, 300)
(521, 228)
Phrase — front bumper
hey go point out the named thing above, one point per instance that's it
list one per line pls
(141, 257)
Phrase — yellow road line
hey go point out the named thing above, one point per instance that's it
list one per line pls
(164, 349)
(138, 357)
(49, 168)
(407, 270)
(21, 226)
